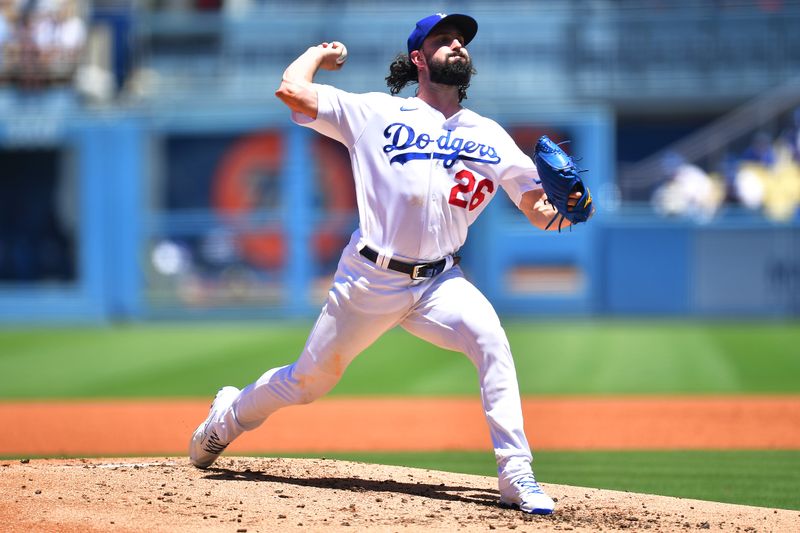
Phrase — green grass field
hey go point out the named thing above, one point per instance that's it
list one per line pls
(552, 357)
(605, 357)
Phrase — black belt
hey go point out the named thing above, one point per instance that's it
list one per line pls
(415, 270)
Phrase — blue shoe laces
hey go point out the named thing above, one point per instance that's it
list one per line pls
(530, 485)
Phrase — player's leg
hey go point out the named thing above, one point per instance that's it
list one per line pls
(454, 315)
(363, 303)
(361, 306)
(339, 335)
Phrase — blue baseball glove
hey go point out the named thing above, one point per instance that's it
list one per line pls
(560, 179)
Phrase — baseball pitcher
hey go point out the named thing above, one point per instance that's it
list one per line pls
(424, 167)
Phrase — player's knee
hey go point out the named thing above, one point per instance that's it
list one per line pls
(312, 382)
(312, 386)
(494, 346)
(485, 341)
(484, 330)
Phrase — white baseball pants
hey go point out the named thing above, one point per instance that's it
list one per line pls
(366, 301)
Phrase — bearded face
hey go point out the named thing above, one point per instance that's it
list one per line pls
(456, 72)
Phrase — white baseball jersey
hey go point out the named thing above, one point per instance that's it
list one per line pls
(421, 179)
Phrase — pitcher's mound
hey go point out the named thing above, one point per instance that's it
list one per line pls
(259, 494)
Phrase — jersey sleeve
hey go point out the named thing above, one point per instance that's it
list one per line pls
(518, 174)
(341, 115)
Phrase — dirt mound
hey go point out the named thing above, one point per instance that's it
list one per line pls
(261, 494)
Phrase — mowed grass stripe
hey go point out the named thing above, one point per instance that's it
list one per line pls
(554, 357)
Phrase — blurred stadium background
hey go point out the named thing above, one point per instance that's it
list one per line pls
(148, 174)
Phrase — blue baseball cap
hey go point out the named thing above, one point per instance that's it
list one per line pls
(465, 24)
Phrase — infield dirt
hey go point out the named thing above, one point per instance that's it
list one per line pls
(253, 495)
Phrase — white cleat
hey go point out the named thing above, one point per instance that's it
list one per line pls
(526, 495)
(206, 444)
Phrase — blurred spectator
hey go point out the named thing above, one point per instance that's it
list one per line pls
(771, 182)
(44, 44)
(729, 167)
(22, 65)
(760, 150)
(782, 187)
(60, 35)
(765, 177)
(6, 27)
(791, 135)
(689, 191)
(749, 185)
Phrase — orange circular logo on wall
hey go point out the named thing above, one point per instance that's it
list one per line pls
(248, 193)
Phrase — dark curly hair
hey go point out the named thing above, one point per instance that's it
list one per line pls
(403, 71)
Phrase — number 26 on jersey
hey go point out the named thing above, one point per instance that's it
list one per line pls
(465, 185)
